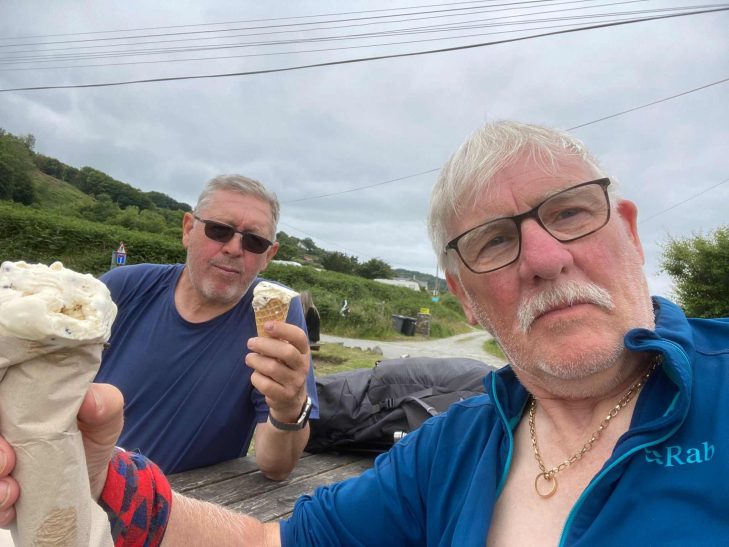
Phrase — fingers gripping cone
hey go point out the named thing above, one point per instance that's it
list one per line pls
(53, 324)
(270, 303)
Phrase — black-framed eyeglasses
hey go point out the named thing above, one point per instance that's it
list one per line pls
(568, 215)
(222, 233)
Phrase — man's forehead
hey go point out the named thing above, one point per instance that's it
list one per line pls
(511, 192)
(234, 208)
(228, 200)
(535, 180)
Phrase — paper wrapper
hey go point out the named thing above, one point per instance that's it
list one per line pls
(274, 310)
(41, 389)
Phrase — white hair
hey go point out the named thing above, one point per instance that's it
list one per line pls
(243, 186)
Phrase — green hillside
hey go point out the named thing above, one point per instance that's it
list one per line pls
(53, 194)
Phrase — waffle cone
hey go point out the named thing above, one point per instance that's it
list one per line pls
(274, 310)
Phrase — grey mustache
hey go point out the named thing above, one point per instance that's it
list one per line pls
(568, 293)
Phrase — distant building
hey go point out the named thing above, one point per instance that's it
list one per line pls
(407, 283)
(286, 263)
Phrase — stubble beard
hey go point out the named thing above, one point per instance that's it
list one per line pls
(560, 368)
(228, 295)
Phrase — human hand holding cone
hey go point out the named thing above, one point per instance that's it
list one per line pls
(53, 324)
(270, 303)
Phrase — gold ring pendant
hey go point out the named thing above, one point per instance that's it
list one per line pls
(551, 480)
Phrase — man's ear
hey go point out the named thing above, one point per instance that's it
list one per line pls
(187, 221)
(270, 253)
(628, 212)
(454, 285)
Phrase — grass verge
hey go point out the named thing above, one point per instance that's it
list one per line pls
(332, 358)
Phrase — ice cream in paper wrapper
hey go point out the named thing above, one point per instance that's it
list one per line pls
(53, 325)
(271, 303)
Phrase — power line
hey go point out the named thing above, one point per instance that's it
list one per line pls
(401, 31)
(682, 202)
(252, 20)
(622, 113)
(363, 187)
(281, 42)
(359, 60)
(374, 20)
(650, 104)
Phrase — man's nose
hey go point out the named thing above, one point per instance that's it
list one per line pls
(234, 246)
(541, 254)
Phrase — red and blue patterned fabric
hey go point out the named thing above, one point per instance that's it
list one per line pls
(137, 498)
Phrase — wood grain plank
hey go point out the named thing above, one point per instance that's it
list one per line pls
(278, 503)
(249, 485)
(195, 478)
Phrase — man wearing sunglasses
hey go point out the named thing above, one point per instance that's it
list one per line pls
(198, 383)
(609, 427)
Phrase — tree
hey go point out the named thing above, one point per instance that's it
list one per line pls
(288, 248)
(309, 245)
(102, 210)
(29, 141)
(375, 268)
(339, 262)
(699, 267)
(16, 163)
(163, 201)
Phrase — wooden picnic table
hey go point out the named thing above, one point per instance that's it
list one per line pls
(240, 486)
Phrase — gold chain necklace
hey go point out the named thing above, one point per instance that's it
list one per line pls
(549, 475)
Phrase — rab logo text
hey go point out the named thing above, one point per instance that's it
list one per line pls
(672, 456)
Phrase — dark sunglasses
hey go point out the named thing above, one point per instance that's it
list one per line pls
(222, 233)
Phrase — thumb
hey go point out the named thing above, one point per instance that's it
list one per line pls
(100, 421)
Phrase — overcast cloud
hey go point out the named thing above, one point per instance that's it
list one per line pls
(323, 130)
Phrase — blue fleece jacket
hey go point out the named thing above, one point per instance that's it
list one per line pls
(665, 483)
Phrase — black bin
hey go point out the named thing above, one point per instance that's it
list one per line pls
(397, 322)
(408, 326)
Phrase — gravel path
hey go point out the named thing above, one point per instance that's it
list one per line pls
(462, 345)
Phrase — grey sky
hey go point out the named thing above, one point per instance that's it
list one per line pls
(316, 131)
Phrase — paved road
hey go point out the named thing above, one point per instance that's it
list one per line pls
(462, 345)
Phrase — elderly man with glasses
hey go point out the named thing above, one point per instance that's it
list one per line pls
(609, 427)
(196, 380)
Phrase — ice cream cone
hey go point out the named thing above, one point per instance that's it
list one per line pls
(270, 303)
(275, 310)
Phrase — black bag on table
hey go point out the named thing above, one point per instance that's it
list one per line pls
(366, 410)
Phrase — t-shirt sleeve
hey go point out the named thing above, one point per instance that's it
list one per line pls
(126, 282)
(383, 506)
(296, 317)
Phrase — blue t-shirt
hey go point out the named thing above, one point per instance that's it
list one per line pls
(188, 397)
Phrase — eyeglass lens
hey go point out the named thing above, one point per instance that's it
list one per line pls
(222, 233)
(566, 216)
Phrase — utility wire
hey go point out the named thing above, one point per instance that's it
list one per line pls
(422, 29)
(43, 56)
(359, 60)
(622, 113)
(254, 20)
(290, 52)
(373, 21)
(682, 202)
(363, 187)
(649, 104)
